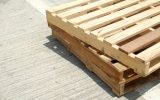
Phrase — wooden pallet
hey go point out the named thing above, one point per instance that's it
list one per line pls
(119, 77)
(127, 30)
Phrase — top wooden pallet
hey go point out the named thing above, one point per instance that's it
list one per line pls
(127, 30)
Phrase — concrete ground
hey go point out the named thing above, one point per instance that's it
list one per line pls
(35, 66)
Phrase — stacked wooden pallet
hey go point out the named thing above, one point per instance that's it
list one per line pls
(125, 30)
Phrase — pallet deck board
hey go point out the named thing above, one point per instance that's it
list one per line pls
(110, 27)
(97, 23)
(141, 42)
(135, 30)
(103, 11)
(127, 22)
(84, 9)
(152, 53)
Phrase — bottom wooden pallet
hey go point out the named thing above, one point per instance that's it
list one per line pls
(119, 77)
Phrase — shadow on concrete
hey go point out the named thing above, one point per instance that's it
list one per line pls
(146, 84)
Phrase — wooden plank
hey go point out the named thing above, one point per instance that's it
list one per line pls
(97, 23)
(83, 9)
(130, 32)
(68, 5)
(107, 30)
(141, 42)
(150, 53)
(102, 11)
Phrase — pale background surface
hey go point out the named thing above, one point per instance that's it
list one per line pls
(35, 66)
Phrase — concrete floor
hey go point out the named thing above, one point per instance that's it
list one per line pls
(35, 66)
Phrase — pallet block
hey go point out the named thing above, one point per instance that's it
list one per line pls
(126, 30)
